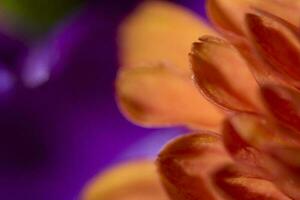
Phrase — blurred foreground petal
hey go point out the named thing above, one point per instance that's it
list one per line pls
(131, 181)
(159, 31)
(160, 96)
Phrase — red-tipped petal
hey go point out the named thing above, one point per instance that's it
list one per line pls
(266, 149)
(277, 44)
(285, 168)
(241, 136)
(223, 75)
(246, 136)
(187, 164)
(238, 185)
(228, 15)
(284, 104)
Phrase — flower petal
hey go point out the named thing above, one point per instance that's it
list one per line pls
(236, 184)
(277, 44)
(133, 181)
(284, 104)
(286, 9)
(246, 136)
(223, 75)
(261, 70)
(267, 151)
(160, 96)
(229, 15)
(159, 31)
(187, 164)
(239, 135)
(286, 168)
(255, 130)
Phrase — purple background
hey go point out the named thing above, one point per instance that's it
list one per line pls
(61, 132)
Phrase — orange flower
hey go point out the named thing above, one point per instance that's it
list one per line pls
(247, 69)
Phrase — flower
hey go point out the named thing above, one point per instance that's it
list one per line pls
(244, 137)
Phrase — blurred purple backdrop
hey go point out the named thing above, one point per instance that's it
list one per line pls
(59, 123)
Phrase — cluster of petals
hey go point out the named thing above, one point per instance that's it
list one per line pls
(244, 140)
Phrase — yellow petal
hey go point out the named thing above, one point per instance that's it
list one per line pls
(159, 31)
(136, 180)
(161, 96)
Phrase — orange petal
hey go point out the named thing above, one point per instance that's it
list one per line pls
(246, 136)
(228, 15)
(241, 135)
(267, 150)
(252, 130)
(284, 104)
(160, 96)
(187, 164)
(286, 168)
(236, 184)
(285, 9)
(261, 70)
(131, 181)
(277, 44)
(223, 75)
(159, 31)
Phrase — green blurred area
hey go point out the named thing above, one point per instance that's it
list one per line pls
(37, 16)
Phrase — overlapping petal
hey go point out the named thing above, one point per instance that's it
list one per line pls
(284, 104)
(135, 180)
(238, 185)
(162, 96)
(154, 89)
(229, 15)
(266, 149)
(187, 164)
(192, 166)
(277, 43)
(285, 168)
(159, 31)
(223, 75)
(246, 135)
